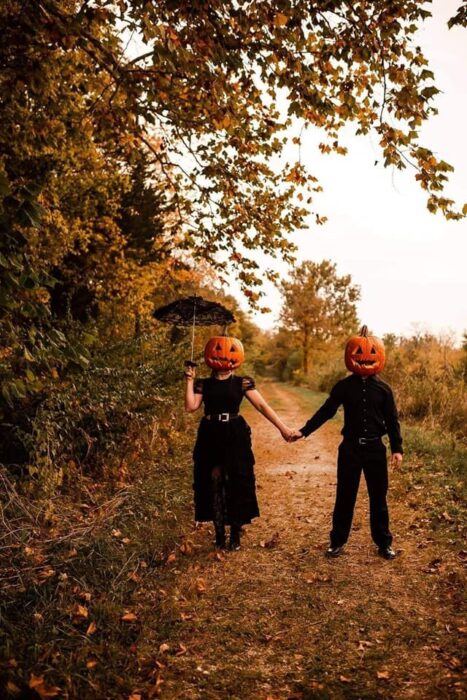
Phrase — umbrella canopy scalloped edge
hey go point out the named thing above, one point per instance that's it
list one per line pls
(182, 312)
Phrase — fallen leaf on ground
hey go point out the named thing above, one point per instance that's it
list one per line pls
(201, 586)
(156, 689)
(273, 542)
(216, 556)
(117, 533)
(316, 685)
(42, 688)
(186, 548)
(382, 675)
(80, 612)
(92, 628)
(314, 577)
(363, 644)
(181, 650)
(433, 566)
(454, 662)
(46, 573)
(164, 648)
(129, 617)
(92, 663)
(172, 557)
(344, 679)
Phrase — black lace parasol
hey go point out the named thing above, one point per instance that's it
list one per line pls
(194, 311)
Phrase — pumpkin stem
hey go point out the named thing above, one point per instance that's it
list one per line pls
(364, 331)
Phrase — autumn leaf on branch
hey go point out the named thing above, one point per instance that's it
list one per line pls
(200, 104)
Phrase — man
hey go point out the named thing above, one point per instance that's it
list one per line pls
(369, 413)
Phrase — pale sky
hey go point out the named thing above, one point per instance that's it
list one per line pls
(410, 265)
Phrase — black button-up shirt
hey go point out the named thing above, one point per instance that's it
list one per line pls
(369, 410)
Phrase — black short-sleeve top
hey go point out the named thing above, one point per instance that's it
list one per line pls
(223, 395)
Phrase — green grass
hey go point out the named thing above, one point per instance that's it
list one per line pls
(433, 480)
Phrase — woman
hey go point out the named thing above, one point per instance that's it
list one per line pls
(224, 480)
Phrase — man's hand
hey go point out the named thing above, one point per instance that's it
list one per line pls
(396, 460)
(295, 435)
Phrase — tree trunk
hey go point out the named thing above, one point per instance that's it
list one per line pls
(306, 338)
(137, 332)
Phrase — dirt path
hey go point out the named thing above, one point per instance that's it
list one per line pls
(278, 620)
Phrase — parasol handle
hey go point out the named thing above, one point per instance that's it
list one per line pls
(193, 334)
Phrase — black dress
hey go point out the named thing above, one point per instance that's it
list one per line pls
(226, 445)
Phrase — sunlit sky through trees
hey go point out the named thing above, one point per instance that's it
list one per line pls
(410, 264)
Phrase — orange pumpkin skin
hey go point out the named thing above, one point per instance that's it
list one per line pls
(223, 353)
(364, 354)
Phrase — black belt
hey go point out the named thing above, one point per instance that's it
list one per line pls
(222, 417)
(363, 440)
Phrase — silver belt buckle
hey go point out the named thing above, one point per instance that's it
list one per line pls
(224, 417)
(362, 441)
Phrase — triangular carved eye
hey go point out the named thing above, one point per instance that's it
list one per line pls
(232, 349)
(359, 351)
(218, 347)
(373, 350)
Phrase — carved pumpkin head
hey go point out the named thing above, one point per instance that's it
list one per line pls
(364, 354)
(223, 353)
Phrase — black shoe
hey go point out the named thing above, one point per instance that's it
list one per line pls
(234, 538)
(334, 551)
(387, 552)
(220, 542)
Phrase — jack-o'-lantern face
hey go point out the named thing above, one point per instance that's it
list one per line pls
(223, 353)
(364, 354)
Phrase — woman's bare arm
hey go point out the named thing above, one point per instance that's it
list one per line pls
(261, 405)
(192, 401)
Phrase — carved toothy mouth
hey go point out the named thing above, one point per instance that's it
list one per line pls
(365, 363)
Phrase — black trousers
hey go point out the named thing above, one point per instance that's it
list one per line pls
(353, 458)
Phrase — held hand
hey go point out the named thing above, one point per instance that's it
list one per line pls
(286, 433)
(294, 435)
(396, 460)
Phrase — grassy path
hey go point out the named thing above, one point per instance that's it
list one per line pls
(277, 620)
